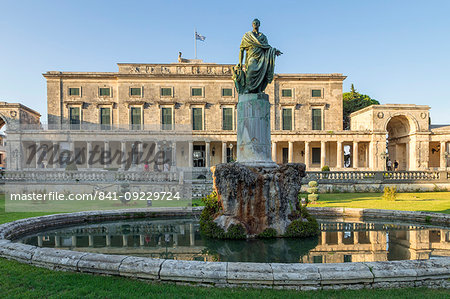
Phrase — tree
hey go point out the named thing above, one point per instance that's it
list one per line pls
(354, 101)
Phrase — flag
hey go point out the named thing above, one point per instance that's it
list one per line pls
(199, 37)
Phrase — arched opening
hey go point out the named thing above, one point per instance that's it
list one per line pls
(397, 143)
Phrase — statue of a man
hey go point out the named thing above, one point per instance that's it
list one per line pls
(259, 62)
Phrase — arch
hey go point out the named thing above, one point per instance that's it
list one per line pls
(413, 123)
(3, 120)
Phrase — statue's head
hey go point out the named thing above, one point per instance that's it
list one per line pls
(256, 23)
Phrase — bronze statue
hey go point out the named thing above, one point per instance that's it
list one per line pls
(259, 65)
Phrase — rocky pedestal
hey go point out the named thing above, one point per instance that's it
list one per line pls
(253, 130)
(257, 198)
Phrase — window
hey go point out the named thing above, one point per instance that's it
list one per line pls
(74, 91)
(135, 91)
(317, 259)
(105, 118)
(104, 91)
(286, 93)
(316, 93)
(197, 92)
(285, 155)
(227, 120)
(166, 118)
(136, 119)
(74, 118)
(227, 92)
(1, 158)
(316, 155)
(166, 91)
(197, 119)
(347, 258)
(287, 118)
(317, 119)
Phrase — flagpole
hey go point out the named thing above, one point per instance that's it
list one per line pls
(195, 42)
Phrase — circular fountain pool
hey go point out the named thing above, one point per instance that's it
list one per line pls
(360, 248)
(179, 239)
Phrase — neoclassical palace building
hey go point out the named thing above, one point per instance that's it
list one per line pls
(193, 105)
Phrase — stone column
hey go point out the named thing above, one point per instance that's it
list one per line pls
(55, 155)
(291, 152)
(106, 153)
(141, 240)
(370, 162)
(224, 152)
(57, 241)
(91, 240)
(191, 154)
(108, 240)
(274, 152)
(323, 149)
(174, 153)
(191, 234)
(323, 238)
(124, 156)
(140, 152)
(124, 241)
(208, 154)
(74, 241)
(88, 153)
(307, 154)
(443, 162)
(339, 155)
(355, 154)
(72, 151)
(37, 154)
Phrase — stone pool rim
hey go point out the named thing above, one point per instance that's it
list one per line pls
(434, 272)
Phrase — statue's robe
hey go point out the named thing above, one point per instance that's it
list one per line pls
(259, 61)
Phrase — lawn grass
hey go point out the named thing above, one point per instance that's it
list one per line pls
(438, 202)
(25, 281)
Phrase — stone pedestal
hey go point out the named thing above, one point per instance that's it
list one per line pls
(257, 198)
(253, 130)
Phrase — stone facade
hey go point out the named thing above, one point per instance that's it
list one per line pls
(306, 116)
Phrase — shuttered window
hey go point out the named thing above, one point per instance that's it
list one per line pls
(74, 91)
(166, 118)
(197, 92)
(105, 92)
(135, 91)
(197, 119)
(316, 93)
(105, 118)
(227, 118)
(166, 92)
(316, 119)
(227, 92)
(287, 119)
(286, 93)
(136, 120)
(75, 119)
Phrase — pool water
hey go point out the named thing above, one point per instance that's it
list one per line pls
(339, 241)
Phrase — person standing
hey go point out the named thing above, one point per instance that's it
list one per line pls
(395, 165)
(389, 165)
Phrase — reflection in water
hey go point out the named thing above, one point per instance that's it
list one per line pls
(180, 239)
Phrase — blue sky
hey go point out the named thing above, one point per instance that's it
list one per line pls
(394, 51)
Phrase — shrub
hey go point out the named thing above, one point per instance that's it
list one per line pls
(313, 197)
(313, 190)
(302, 229)
(236, 232)
(312, 184)
(268, 233)
(326, 168)
(390, 193)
